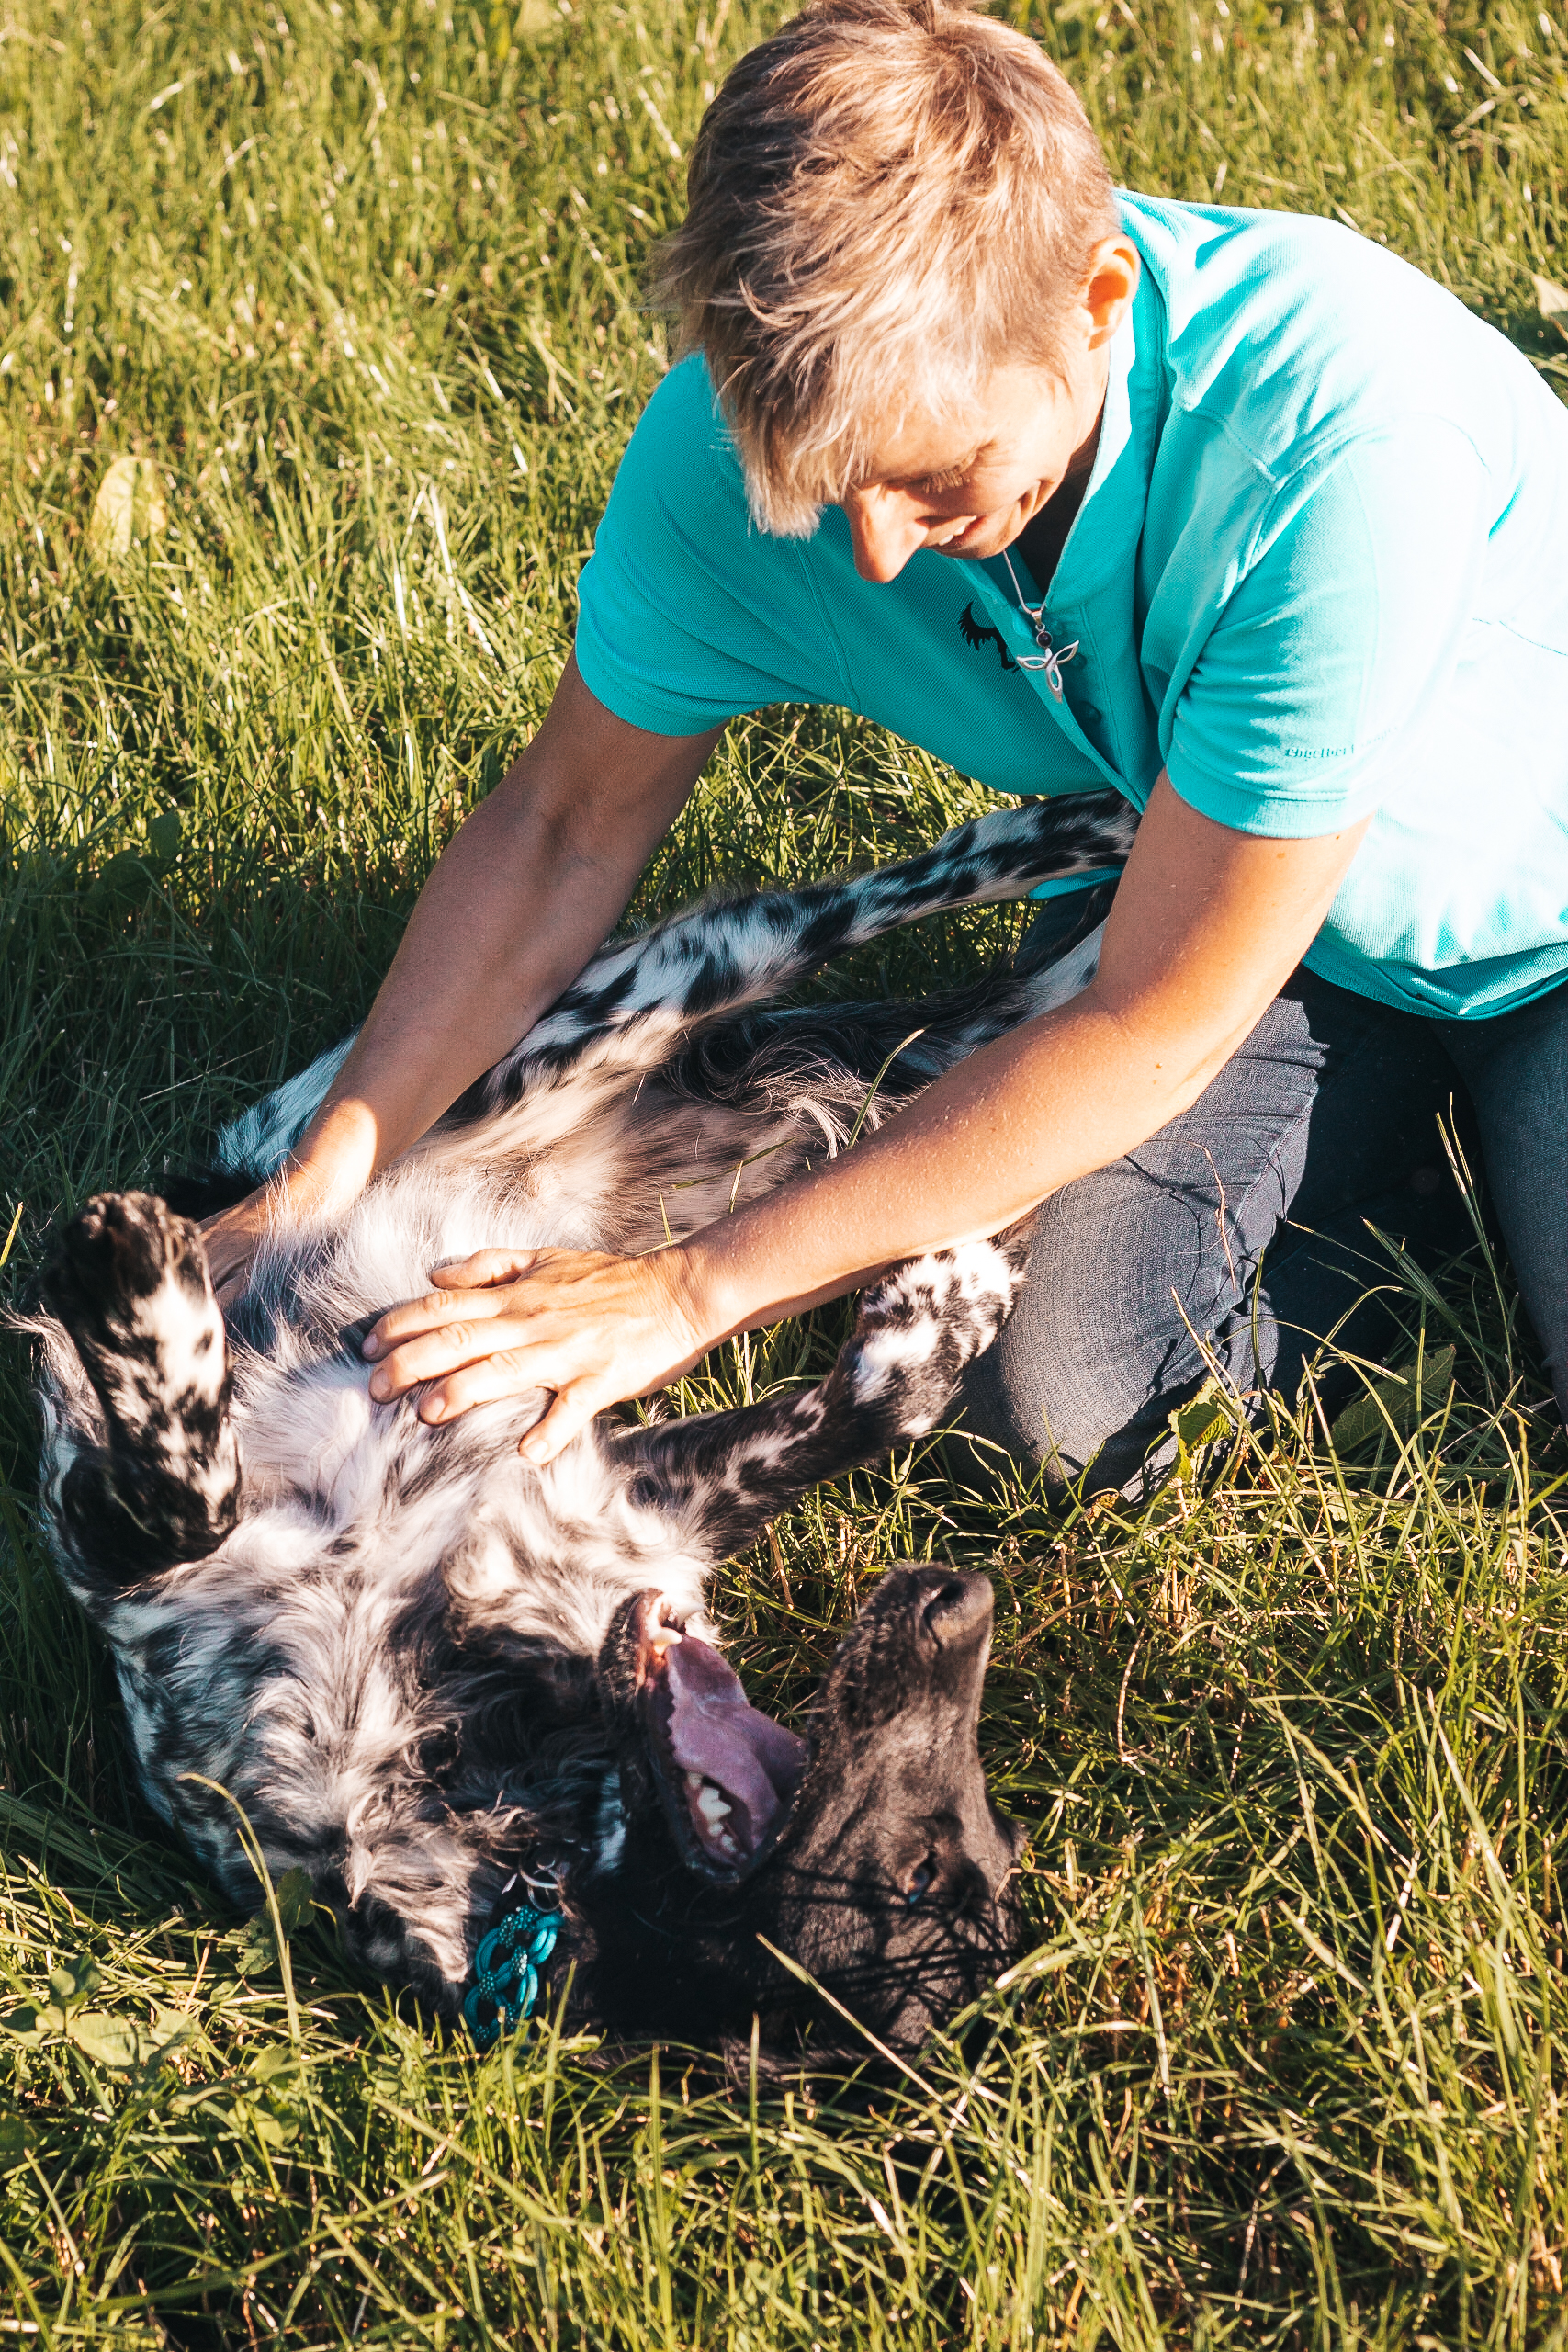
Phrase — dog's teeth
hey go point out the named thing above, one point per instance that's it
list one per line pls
(725, 1842)
(713, 1804)
(661, 1630)
(693, 1781)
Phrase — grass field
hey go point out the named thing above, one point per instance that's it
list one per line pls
(1289, 2064)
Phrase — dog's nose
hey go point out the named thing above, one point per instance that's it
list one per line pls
(958, 1613)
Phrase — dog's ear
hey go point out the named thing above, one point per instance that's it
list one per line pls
(723, 1476)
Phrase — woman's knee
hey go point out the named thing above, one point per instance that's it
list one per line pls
(1099, 1351)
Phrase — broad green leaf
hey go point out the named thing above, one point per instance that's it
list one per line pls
(32, 2025)
(1199, 1423)
(294, 1891)
(170, 2032)
(1395, 1399)
(275, 2066)
(275, 2131)
(125, 880)
(73, 1981)
(109, 2041)
(259, 1949)
(120, 2041)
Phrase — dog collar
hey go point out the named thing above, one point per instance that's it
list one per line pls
(506, 1972)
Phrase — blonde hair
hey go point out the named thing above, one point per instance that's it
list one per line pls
(887, 200)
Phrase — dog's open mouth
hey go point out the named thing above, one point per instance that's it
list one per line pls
(726, 1771)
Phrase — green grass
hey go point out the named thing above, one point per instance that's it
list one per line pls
(1287, 2066)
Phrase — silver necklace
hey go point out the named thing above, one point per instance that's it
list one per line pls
(1049, 656)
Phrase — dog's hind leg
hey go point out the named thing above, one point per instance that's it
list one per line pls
(723, 1476)
(637, 995)
(128, 1281)
(255, 1145)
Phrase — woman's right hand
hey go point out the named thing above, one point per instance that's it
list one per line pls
(329, 1169)
(233, 1238)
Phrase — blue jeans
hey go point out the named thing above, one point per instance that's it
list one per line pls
(1242, 1225)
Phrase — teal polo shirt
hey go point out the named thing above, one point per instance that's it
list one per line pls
(1320, 572)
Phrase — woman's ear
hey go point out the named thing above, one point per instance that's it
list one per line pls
(1109, 288)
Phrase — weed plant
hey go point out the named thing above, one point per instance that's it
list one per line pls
(359, 284)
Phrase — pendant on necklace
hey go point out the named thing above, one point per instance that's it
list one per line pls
(1050, 658)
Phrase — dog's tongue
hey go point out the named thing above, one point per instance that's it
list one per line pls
(716, 1730)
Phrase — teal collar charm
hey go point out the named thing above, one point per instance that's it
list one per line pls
(506, 1972)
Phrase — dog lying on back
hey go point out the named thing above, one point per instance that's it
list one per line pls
(433, 1675)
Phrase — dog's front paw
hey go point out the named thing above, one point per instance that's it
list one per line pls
(123, 1246)
(924, 1321)
(129, 1281)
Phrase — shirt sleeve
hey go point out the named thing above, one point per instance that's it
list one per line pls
(687, 615)
(1311, 696)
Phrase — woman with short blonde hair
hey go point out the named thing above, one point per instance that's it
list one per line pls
(990, 196)
(1071, 487)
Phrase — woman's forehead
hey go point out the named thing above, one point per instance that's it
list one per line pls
(953, 440)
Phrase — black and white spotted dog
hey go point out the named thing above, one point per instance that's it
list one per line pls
(430, 1673)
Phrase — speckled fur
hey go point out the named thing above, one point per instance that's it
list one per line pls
(380, 1638)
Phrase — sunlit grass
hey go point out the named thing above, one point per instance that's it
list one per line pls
(1285, 2066)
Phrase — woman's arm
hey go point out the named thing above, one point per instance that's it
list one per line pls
(522, 897)
(1206, 928)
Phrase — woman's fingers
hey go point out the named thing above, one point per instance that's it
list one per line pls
(510, 1372)
(435, 1345)
(569, 1412)
(485, 1267)
(590, 1329)
(226, 1264)
(446, 1311)
(230, 1240)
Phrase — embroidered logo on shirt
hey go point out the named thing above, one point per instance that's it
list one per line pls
(977, 634)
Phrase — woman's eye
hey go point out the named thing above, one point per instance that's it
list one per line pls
(918, 1881)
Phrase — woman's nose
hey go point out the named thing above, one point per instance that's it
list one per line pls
(885, 529)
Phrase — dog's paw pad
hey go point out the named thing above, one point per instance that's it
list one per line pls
(128, 1243)
(129, 1281)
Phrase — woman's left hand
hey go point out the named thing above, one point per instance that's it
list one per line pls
(593, 1328)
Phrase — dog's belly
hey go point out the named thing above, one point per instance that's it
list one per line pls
(602, 1165)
